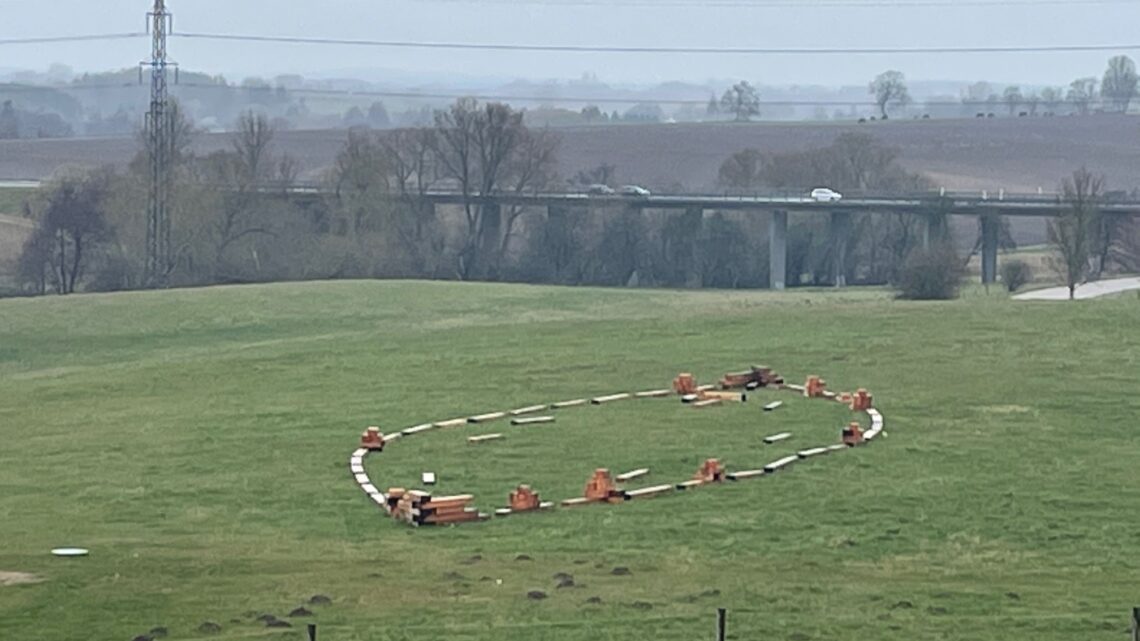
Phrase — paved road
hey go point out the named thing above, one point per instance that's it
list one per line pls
(1088, 290)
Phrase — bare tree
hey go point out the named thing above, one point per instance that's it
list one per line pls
(889, 88)
(530, 170)
(1082, 93)
(1032, 101)
(1071, 233)
(1013, 99)
(1051, 99)
(603, 174)
(243, 176)
(741, 100)
(360, 181)
(741, 171)
(61, 249)
(1120, 80)
(478, 147)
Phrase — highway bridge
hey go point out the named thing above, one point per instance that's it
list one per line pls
(987, 207)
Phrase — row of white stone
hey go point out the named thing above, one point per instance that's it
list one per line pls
(356, 462)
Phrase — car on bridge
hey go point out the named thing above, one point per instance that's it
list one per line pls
(634, 191)
(600, 190)
(825, 195)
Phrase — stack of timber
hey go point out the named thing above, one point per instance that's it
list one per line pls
(685, 384)
(600, 488)
(815, 387)
(372, 440)
(853, 434)
(739, 397)
(711, 471)
(756, 376)
(861, 401)
(523, 499)
(421, 508)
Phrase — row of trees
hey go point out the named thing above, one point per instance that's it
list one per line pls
(1114, 92)
(235, 218)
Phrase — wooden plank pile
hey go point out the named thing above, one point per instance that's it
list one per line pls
(815, 387)
(372, 440)
(685, 384)
(599, 488)
(523, 499)
(861, 401)
(417, 508)
(756, 376)
(852, 434)
(711, 471)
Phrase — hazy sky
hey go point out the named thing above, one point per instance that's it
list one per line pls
(730, 23)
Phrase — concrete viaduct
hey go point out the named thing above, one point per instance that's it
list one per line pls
(934, 207)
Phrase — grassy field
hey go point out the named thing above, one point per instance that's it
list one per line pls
(196, 441)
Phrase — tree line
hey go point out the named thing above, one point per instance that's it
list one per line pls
(236, 217)
(1115, 91)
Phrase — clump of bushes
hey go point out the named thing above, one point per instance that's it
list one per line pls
(930, 274)
(1016, 274)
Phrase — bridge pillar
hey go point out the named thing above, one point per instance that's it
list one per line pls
(991, 228)
(488, 260)
(778, 250)
(933, 230)
(840, 234)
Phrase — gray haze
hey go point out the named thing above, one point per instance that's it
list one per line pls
(593, 22)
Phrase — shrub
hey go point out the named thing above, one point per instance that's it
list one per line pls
(1015, 274)
(930, 274)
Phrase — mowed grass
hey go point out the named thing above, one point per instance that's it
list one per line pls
(197, 443)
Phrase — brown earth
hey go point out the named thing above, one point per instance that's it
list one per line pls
(1017, 154)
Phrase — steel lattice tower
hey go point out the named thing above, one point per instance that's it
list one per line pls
(160, 151)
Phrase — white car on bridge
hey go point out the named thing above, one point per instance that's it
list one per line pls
(825, 195)
(634, 190)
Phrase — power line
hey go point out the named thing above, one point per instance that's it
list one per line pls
(410, 44)
(83, 38)
(799, 4)
(416, 95)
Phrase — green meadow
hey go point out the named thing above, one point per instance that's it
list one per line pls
(197, 443)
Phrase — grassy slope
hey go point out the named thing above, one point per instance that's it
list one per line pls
(197, 442)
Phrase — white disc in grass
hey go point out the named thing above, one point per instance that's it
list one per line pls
(69, 551)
